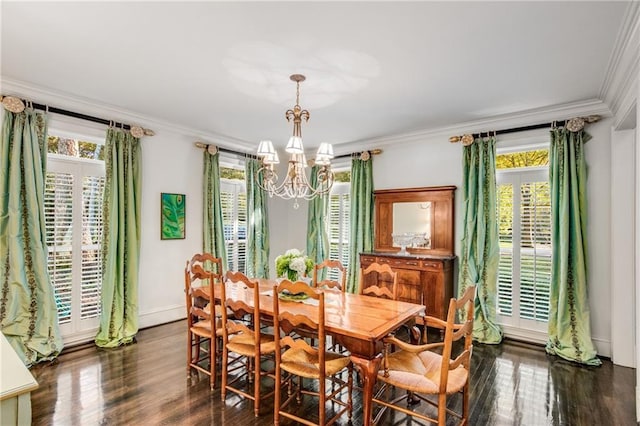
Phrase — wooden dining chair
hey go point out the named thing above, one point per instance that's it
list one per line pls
(295, 357)
(430, 369)
(379, 280)
(204, 333)
(244, 345)
(322, 273)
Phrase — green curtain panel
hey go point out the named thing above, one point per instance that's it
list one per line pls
(257, 265)
(317, 236)
(121, 240)
(361, 214)
(213, 227)
(28, 314)
(480, 249)
(569, 328)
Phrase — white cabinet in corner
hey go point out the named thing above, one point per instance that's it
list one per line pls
(16, 384)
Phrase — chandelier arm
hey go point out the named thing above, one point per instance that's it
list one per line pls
(323, 185)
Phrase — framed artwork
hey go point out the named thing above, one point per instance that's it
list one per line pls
(172, 210)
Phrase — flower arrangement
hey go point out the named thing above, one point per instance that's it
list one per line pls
(293, 265)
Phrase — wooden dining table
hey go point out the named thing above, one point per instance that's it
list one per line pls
(357, 322)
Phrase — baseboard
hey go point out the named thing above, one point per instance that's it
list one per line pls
(79, 339)
(603, 347)
(532, 336)
(161, 316)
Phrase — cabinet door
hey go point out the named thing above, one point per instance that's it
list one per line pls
(433, 293)
(409, 285)
(438, 287)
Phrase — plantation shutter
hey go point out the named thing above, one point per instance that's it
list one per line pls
(535, 254)
(226, 198)
(58, 205)
(242, 229)
(505, 237)
(73, 220)
(234, 218)
(339, 227)
(524, 271)
(91, 277)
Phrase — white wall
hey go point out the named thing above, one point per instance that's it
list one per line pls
(170, 163)
(287, 228)
(598, 158)
(622, 248)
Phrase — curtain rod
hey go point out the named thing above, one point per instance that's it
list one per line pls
(573, 124)
(375, 151)
(204, 145)
(13, 100)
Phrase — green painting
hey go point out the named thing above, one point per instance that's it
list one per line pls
(172, 216)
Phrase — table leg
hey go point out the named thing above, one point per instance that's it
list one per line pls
(368, 369)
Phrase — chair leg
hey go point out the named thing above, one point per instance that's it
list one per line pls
(225, 365)
(276, 396)
(350, 391)
(189, 352)
(256, 385)
(248, 367)
(465, 403)
(442, 410)
(323, 396)
(212, 362)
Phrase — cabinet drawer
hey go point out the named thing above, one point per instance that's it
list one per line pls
(402, 263)
(367, 260)
(431, 264)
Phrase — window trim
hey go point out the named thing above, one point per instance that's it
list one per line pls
(516, 327)
(78, 329)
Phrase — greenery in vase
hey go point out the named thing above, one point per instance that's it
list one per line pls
(293, 265)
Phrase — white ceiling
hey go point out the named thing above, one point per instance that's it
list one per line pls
(374, 69)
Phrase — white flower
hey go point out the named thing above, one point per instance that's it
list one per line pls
(293, 252)
(298, 265)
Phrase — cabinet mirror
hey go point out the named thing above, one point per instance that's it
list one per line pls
(414, 220)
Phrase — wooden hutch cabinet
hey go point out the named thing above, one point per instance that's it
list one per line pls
(425, 272)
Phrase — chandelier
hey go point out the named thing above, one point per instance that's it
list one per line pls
(295, 184)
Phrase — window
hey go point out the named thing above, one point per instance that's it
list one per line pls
(524, 219)
(338, 223)
(233, 196)
(74, 185)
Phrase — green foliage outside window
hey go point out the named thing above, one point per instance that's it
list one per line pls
(515, 160)
(75, 148)
(229, 173)
(344, 176)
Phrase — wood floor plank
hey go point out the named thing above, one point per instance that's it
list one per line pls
(147, 383)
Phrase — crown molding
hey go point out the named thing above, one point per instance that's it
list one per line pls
(503, 121)
(88, 106)
(624, 65)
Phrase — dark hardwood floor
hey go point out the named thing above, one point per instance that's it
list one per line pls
(146, 383)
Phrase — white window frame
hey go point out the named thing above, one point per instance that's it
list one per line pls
(78, 329)
(514, 326)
